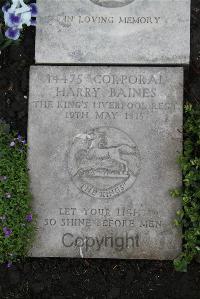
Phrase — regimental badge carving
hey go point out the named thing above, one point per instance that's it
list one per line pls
(103, 162)
(112, 3)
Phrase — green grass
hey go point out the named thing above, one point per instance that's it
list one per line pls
(189, 216)
(16, 223)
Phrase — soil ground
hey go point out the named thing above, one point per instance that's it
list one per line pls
(86, 279)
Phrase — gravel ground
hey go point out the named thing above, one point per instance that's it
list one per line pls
(72, 278)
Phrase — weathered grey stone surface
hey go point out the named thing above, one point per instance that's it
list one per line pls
(103, 147)
(113, 31)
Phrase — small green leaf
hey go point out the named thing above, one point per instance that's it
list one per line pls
(180, 264)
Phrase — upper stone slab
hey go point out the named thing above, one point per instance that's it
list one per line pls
(113, 32)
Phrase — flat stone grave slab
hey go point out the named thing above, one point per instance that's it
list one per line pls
(113, 32)
(103, 144)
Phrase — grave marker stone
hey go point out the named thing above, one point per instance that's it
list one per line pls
(103, 147)
(113, 32)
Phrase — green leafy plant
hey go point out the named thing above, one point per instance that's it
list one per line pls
(16, 219)
(189, 216)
